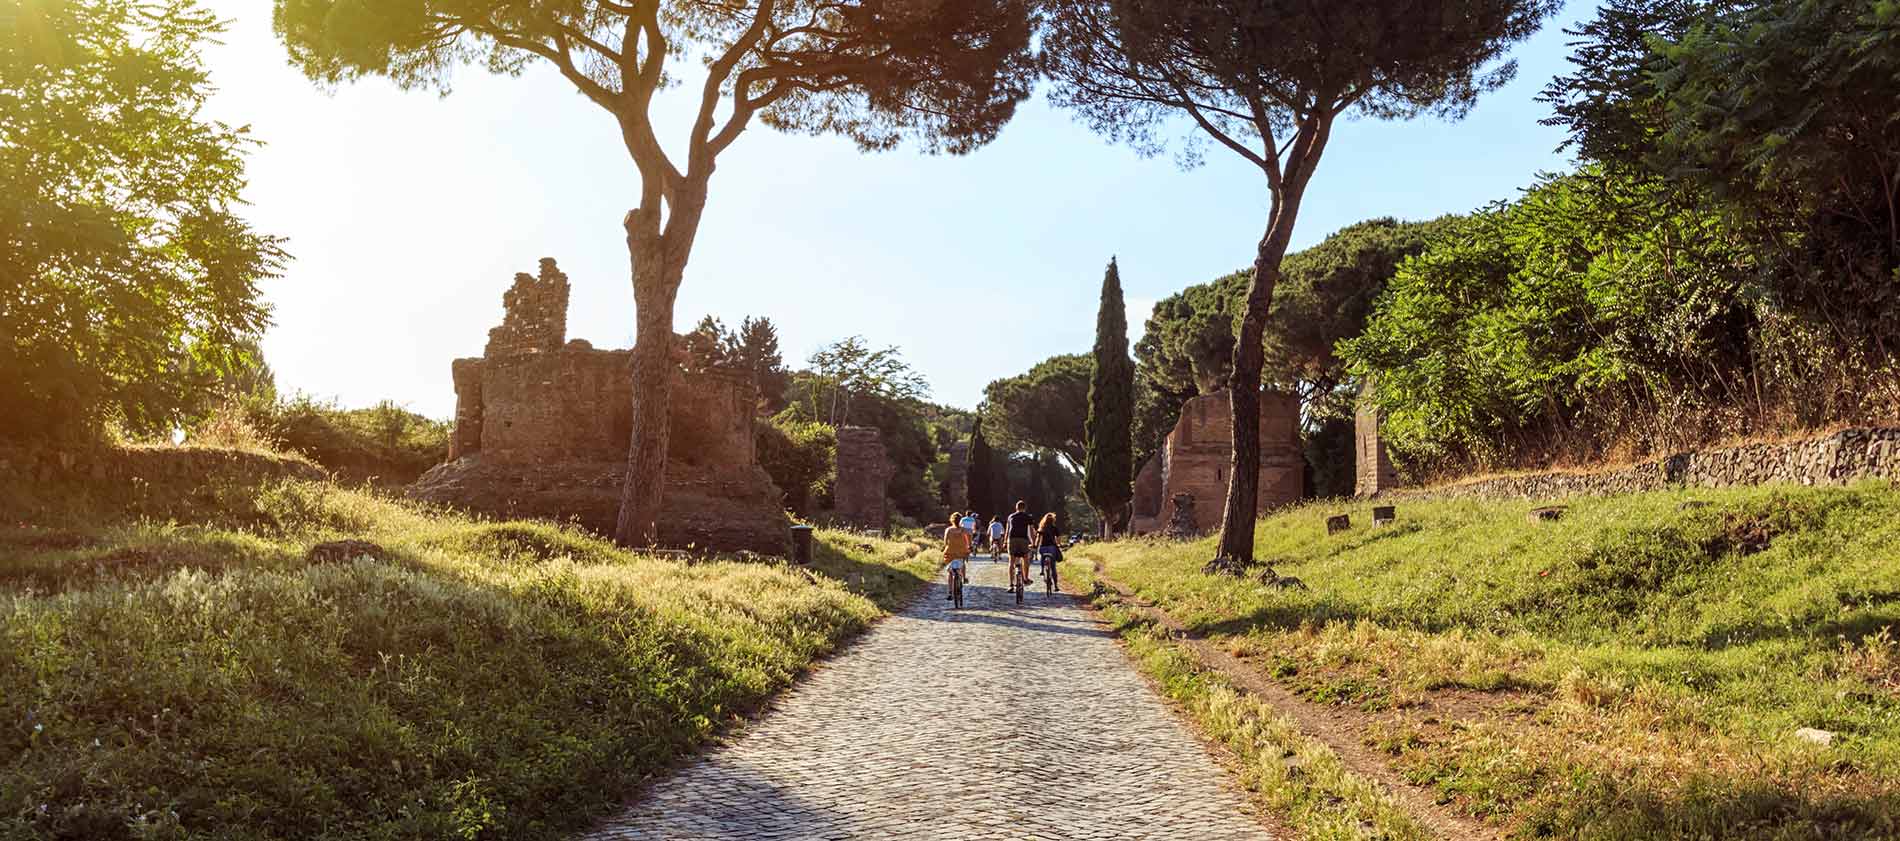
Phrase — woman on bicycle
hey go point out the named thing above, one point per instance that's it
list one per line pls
(1049, 547)
(956, 549)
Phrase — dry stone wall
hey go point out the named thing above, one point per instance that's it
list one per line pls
(1834, 459)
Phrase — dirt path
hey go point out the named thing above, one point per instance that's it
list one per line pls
(995, 721)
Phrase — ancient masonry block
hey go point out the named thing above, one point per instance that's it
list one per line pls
(1145, 509)
(1200, 451)
(956, 493)
(542, 427)
(863, 472)
(534, 314)
(1372, 468)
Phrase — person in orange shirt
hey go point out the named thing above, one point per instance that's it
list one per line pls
(956, 549)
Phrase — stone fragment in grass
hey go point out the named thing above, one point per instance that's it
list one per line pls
(1338, 523)
(1548, 513)
(1224, 565)
(1692, 504)
(343, 551)
(1810, 734)
(1385, 515)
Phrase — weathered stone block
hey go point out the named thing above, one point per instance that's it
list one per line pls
(1199, 453)
(1338, 523)
(1548, 513)
(1384, 515)
(864, 471)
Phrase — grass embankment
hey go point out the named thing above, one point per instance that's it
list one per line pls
(180, 671)
(1635, 670)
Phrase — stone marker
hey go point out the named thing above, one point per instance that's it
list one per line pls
(1338, 523)
(1549, 513)
(1384, 515)
(1182, 522)
(801, 544)
(1810, 734)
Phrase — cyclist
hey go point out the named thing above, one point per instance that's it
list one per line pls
(1049, 548)
(956, 548)
(996, 538)
(979, 536)
(1019, 529)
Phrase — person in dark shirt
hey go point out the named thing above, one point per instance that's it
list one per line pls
(1020, 524)
(1049, 545)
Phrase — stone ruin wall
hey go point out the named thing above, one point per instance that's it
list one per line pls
(543, 425)
(1372, 467)
(864, 471)
(1835, 459)
(1198, 453)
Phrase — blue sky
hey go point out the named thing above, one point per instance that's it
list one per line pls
(408, 214)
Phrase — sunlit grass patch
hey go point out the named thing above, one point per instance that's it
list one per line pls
(1651, 656)
(186, 672)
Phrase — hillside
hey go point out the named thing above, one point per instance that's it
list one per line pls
(177, 666)
(1638, 668)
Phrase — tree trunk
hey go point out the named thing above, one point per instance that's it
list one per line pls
(1243, 389)
(656, 280)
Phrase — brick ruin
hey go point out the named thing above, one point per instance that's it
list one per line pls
(1372, 468)
(1197, 455)
(542, 426)
(864, 470)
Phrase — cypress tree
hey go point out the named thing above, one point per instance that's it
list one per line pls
(979, 473)
(1109, 472)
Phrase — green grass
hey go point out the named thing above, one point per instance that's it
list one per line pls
(1298, 778)
(1636, 669)
(184, 673)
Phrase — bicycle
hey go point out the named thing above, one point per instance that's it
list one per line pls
(1049, 572)
(1018, 579)
(956, 588)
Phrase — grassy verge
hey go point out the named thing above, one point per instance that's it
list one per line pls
(186, 673)
(1637, 669)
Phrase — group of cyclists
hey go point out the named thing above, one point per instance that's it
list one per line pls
(1019, 534)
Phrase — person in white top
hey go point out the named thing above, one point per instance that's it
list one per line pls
(996, 536)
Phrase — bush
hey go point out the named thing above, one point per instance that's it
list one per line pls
(384, 443)
(801, 458)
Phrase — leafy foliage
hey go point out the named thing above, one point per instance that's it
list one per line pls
(128, 284)
(801, 458)
(1109, 477)
(850, 370)
(1044, 408)
(751, 350)
(384, 443)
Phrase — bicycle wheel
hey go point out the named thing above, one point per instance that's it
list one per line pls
(956, 590)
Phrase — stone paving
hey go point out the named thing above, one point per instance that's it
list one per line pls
(995, 721)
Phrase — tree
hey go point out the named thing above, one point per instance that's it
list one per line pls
(128, 284)
(1110, 473)
(1267, 79)
(1044, 408)
(947, 75)
(754, 350)
(981, 473)
(850, 369)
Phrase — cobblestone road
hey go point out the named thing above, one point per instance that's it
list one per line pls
(996, 721)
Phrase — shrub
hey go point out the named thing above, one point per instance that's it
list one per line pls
(801, 458)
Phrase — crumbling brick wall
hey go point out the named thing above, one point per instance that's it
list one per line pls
(1145, 514)
(863, 472)
(543, 425)
(1372, 468)
(1199, 452)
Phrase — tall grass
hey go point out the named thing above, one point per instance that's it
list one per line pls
(190, 675)
(1648, 657)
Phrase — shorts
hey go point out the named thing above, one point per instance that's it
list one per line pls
(956, 563)
(1018, 546)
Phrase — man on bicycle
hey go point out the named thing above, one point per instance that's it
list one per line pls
(1020, 525)
(997, 530)
(956, 551)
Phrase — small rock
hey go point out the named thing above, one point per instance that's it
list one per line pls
(1810, 734)
(1692, 504)
(342, 551)
(1338, 523)
(1548, 514)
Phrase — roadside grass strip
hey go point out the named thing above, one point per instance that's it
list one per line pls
(194, 676)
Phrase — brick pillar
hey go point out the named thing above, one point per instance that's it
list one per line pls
(863, 472)
(467, 438)
(1372, 468)
(957, 486)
